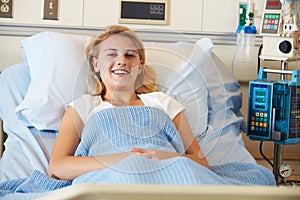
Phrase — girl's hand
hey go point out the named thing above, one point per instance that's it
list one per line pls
(154, 154)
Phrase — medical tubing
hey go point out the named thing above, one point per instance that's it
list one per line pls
(238, 41)
(258, 57)
(249, 16)
(263, 155)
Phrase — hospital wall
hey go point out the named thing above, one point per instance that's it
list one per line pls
(192, 19)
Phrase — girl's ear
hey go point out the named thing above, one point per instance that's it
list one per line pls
(95, 65)
(141, 66)
(142, 62)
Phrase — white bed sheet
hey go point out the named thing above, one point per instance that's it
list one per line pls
(25, 148)
(28, 149)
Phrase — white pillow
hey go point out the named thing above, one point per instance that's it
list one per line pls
(58, 74)
(179, 73)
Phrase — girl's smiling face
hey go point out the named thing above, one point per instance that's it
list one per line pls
(118, 62)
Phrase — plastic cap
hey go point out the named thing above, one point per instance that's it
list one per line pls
(246, 29)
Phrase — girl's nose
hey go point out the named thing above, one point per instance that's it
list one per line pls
(121, 60)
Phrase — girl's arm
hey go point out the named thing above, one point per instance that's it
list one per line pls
(192, 148)
(63, 164)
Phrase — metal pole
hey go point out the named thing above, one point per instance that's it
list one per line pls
(283, 68)
(278, 151)
(278, 148)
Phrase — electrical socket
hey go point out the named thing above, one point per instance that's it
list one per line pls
(50, 9)
(6, 8)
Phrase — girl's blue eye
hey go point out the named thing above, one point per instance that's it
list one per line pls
(132, 55)
(112, 54)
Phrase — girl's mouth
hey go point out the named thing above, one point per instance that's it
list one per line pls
(120, 71)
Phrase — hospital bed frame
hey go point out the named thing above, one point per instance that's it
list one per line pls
(154, 192)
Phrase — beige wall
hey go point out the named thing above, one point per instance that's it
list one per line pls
(10, 51)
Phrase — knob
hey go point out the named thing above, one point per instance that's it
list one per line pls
(285, 47)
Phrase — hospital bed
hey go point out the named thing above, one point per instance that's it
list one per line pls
(34, 92)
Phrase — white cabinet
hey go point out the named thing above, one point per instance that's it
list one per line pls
(222, 16)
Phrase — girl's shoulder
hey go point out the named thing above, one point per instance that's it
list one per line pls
(156, 94)
(157, 97)
(87, 99)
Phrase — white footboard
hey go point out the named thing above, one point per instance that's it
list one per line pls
(154, 192)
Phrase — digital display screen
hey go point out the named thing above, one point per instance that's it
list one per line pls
(273, 5)
(260, 100)
(260, 93)
(260, 107)
(260, 97)
(142, 10)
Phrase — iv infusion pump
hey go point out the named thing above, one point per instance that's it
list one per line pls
(274, 108)
(274, 104)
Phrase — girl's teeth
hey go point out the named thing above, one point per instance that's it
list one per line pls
(120, 72)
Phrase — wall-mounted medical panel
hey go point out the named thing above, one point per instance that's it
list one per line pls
(183, 15)
(222, 16)
(144, 12)
(69, 13)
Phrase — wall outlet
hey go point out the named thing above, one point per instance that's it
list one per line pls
(6, 8)
(50, 9)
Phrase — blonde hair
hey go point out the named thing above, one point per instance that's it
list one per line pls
(146, 81)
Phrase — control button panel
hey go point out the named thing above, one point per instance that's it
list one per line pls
(271, 23)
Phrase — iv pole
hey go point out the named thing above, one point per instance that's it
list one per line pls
(278, 148)
(278, 152)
